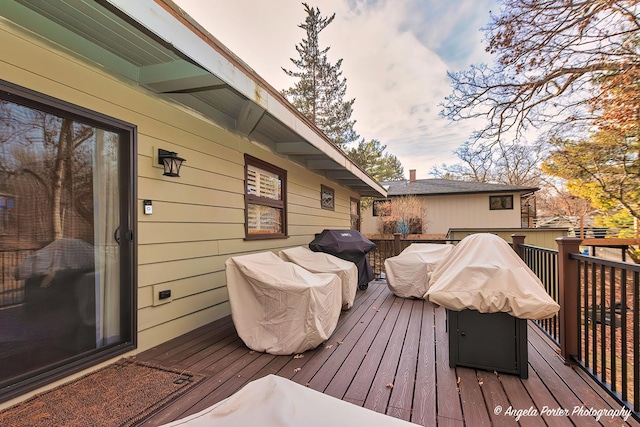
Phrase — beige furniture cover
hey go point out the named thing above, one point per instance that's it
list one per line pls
(273, 401)
(279, 307)
(408, 273)
(320, 262)
(483, 273)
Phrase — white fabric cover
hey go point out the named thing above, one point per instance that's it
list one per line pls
(279, 307)
(320, 262)
(483, 273)
(408, 273)
(273, 401)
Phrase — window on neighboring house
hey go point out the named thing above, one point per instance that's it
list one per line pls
(500, 202)
(327, 198)
(265, 200)
(377, 205)
(6, 208)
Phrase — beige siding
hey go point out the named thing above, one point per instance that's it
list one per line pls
(198, 219)
(456, 211)
(540, 237)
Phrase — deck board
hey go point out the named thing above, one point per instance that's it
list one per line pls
(424, 405)
(473, 405)
(391, 355)
(401, 401)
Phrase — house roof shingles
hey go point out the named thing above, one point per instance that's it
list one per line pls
(423, 187)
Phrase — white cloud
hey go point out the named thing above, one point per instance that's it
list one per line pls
(389, 50)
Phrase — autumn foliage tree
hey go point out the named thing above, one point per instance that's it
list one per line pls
(603, 168)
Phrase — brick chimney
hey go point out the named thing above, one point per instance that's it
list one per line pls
(412, 175)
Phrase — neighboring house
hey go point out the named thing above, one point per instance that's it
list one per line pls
(91, 92)
(458, 204)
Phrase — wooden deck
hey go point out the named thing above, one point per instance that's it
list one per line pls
(390, 355)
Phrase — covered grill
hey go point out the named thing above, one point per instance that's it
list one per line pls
(349, 245)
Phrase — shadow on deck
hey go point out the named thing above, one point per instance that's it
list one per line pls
(391, 355)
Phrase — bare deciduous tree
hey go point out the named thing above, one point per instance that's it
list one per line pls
(553, 61)
(405, 214)
(513, 164)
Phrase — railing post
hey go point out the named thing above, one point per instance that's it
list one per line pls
(517, 242)
(396, 243)
(568, 298)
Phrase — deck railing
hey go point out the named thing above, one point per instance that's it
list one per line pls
(392, 246)
(544, 263)
(598, 326)
(608, 331)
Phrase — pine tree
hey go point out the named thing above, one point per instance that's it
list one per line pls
(320, 91)
(371, 157)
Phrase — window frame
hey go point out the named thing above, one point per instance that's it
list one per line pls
(355, 218)
(128, 234)
(502, 205)
(327, 190)
(7, 213)
(250, 199)
(374, 207)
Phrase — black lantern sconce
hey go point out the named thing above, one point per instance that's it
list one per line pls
(170, 161)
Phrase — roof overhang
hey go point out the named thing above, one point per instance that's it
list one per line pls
(156, 45)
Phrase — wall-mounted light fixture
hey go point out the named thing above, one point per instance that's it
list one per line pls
(170, 161)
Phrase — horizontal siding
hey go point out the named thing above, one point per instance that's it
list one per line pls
(198, 219)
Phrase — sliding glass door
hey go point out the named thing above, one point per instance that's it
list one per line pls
(67, 292)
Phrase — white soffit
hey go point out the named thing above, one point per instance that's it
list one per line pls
(163, 24)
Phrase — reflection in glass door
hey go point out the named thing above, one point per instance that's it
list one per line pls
(65, 298)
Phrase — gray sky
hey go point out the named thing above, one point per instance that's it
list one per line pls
(395, 57)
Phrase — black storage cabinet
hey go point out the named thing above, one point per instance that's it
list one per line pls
(349, 245)
(491, 341)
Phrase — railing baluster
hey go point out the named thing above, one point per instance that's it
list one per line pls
(623, 334)
(583, 286)
(636, 341)
(594, 323)
(603, 327)
(612, 342)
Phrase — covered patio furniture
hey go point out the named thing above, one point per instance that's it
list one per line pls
(279, 307)
(489, 292)
(349, 245)
(64, 255)
(408, 273)
(274, 401)
(320, 262)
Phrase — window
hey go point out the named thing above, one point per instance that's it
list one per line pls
(72, 256)
(327, 198)
(378, 207)
(265, 200)
(500, 202)
(6, 213)
(354, 209)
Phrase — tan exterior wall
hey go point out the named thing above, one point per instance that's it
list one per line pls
(456, 211)
(198, 218)
(540, 237)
